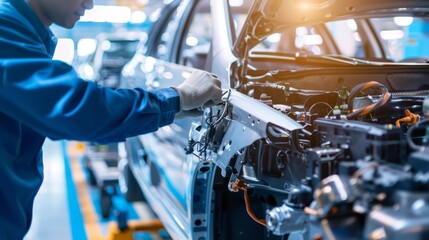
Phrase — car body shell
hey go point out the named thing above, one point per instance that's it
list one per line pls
(177, 184)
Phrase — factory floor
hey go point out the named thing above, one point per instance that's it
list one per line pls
(67, 206)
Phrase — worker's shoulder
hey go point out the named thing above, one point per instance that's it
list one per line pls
(10, 18)
(8, 11)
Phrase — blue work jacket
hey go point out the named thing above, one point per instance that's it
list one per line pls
(41, 97)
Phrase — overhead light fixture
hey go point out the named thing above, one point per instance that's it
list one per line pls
(312, 39)
(86, 46)
(236, 3)
(65, 50)
(351, 23)
(274, 38)
(403, 21)
(192, 41)
(111, 14)
(392, 34)
(138, 17)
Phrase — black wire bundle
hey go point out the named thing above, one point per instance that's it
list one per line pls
(367, 109)
(202, 147)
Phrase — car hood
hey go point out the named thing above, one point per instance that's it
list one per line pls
(270, 16)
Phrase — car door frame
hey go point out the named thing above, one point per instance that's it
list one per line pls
(153, 169)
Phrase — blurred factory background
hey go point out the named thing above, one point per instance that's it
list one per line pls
(107, 16)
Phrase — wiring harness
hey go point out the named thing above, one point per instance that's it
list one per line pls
(385, 95)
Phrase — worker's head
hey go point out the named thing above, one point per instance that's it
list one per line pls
(64, 13)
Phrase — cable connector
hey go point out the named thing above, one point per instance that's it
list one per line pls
(190, 148)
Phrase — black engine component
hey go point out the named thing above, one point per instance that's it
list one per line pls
(378, 142)
(346, 169)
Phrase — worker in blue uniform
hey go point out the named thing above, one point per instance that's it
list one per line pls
(41, 97)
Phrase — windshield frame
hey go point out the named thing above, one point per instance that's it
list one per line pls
(373, 46)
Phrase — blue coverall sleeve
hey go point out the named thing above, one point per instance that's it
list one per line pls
(48, 96)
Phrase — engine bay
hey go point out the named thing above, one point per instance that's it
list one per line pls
(356, 168)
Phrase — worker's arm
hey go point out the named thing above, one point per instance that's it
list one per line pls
(49, 97)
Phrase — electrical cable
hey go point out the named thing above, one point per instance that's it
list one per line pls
(410, 118)
(224, 111)
(367, 109)
(409, 135)
(250, 211)
(202, 146)
(240, 184)
(321, 103)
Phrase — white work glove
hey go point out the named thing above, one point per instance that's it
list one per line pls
(201, 89)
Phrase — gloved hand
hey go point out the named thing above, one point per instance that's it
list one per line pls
(201, 89)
